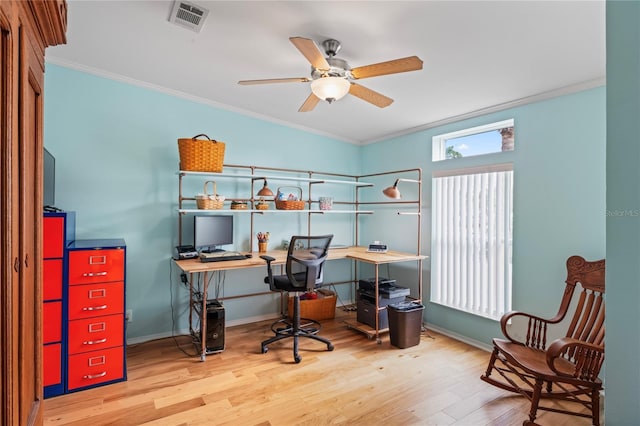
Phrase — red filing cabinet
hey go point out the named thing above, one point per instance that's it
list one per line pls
(96, 313)
(58, 231)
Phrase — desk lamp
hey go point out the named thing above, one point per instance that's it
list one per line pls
(393, 191)
(265, 191)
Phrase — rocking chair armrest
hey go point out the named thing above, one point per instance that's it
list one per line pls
(504, 320)
(587, 357)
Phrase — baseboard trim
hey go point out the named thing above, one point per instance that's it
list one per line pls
(185, 331)
(461, 338)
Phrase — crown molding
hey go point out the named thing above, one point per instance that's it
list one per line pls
(182, 95)
(472, 114)
(562, 91)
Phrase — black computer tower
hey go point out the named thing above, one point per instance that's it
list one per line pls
(215, 327)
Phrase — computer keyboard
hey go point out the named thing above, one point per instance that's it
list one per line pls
(222, 258)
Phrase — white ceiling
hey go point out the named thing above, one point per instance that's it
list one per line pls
(478, 55)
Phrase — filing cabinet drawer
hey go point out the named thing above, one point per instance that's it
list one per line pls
(86, 301)
(95, 367)
(53, 237)
(96, 333)
(52, 280)
(51, 322)
(93, 266)
(51, 362)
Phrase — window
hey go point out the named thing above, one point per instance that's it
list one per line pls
(472, 240)
(487, 139)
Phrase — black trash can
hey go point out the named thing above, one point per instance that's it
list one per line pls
(405, 324)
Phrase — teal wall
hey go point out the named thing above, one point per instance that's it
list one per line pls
(559, 198)
(116, 152)
(623, 208)
(116, 166)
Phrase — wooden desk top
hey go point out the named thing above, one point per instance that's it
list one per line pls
(356, 253)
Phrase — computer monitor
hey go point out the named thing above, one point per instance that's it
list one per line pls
(49, 178)
(209, 232)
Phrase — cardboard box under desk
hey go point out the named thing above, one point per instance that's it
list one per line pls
(324, 307)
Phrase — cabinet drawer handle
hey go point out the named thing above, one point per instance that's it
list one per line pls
(94, 274)
(94, 342)
(94, 308)
(97, 260)
(95, 376)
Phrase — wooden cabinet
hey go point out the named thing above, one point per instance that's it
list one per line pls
(58, 231)
(26, 29)
(96, 313)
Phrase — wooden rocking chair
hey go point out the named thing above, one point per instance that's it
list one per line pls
(568, 367)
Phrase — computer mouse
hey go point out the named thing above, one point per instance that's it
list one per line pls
(248, 255)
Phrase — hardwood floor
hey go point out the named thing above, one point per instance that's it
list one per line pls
(360, 382)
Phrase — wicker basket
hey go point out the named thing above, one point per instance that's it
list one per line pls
(209, 201)
(324, 307)
(201, 155)
(238, 205)
(262, 206)
(290, 204)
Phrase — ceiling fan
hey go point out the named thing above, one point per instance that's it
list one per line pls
(332, 78)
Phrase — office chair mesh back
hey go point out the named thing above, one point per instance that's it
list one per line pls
(304, 266)
(307, 248)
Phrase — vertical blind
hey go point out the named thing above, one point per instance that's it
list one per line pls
(472, 239)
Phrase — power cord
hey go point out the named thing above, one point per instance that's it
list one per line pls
(185, 281)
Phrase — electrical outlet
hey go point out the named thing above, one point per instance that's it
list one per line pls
(129, 315)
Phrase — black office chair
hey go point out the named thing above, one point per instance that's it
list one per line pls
(305, 262)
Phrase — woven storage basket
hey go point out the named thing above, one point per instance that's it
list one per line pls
(289, 204)
(262, 206)
(206, 202)
(239, 205)
(201, 155)
(324, 307)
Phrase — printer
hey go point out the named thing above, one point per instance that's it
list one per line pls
(388, 293)
(387, 288)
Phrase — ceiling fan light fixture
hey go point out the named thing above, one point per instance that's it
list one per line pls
(330, 88)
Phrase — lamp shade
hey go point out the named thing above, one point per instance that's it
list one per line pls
(330, 88)
(265, 191)
(392, 191)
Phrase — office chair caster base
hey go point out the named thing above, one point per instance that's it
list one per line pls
(265, 350)
(285, 327)
(297, 359)
(330, 347)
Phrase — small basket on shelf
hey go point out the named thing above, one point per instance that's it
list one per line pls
(291, 201)
(209, 201)
(239, 205)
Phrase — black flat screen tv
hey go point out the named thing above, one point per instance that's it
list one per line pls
(49, 179)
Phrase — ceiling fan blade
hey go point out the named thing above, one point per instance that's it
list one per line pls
(311, 51)
(370, 96)
(411, 63)
(275, 80)
(310, 103)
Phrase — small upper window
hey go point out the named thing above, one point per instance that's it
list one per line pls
(487, 139)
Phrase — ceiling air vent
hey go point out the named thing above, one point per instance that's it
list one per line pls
(188, 15)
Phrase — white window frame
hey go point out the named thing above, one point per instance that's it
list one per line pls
(439, 142)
